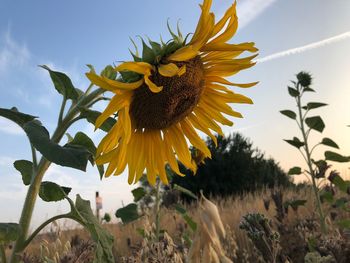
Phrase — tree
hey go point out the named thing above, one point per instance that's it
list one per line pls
(235, 167)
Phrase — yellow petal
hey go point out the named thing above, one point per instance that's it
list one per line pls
(185, 53)
(112, 85)
(205, 120)
(168, 70)
(170, 156)
(116, 103)
(226, 82)
(193, 137)
(182, 71)
(219, 25)
(249, 46)
(153, 87)
(199, 126)
(205, 12)
(138, 67)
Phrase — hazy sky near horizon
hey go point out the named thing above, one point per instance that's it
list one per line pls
(70, 34)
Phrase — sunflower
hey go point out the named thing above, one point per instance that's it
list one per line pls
(164, 97)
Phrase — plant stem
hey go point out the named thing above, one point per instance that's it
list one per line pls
(311, 171)
(41, 169)
(2, 254)
(157, 206)
(41, 227)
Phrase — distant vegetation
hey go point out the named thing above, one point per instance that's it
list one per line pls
(236, 167)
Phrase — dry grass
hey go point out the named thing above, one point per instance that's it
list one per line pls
(237, 246)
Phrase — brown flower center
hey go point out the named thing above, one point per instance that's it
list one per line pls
(177, 99)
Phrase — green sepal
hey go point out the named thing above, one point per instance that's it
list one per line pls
(147, 53)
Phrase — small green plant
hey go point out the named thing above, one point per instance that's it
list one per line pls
(76, 153)
(316, 169)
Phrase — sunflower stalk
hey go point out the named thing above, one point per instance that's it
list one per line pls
(40, 169)
(157, 211)
(2, 254)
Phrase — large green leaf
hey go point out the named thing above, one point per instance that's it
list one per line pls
(52, 192)
(183, 212)
(26, 169)
(138, 193)
(16, 116)
(128, 213)
(82, 212)
(335, 157)
(70, 155)
(295, 142)
(62, 83)
(315, 123)
(289, 113)
(9, 232)
(91, 116)
(329, 142)
(339, 182)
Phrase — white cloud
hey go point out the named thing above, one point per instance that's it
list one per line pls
(308, 47)
(12, 54)
(248, 10)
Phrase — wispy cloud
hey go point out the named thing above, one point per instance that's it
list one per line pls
(12, 54)
(250, 9)
(308, 47)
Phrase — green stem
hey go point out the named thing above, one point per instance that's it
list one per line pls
(2, 254)
(157, 208)
(35, 162)
(311, 171)
(42, 167)
(42, 226)
(63, 105)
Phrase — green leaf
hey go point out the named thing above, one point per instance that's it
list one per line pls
(190, 222)
(180, 209)
(82, 212)
(84, 141)
(294, 170)
(340, 202)
(62, 83)
(339, 182)
(326, 196)
(128, 213)
(138, 193)
(91, 116)
(147, 53)
(315, 123)
(289, 113)
(295, 142)
(293, 92)
(52, 192)
(335, 157)
(345, 223)
(329, 142)
(9, 232)
(26, 169)
(107, 217)
(184, 191)
(70, 155)
(16, 116)
(314, 105)
(307, 89)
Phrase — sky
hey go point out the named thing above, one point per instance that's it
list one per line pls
(292, 35)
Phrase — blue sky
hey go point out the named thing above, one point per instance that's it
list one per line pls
(67, 35)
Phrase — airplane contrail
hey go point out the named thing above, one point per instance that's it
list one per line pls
(301, 49)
